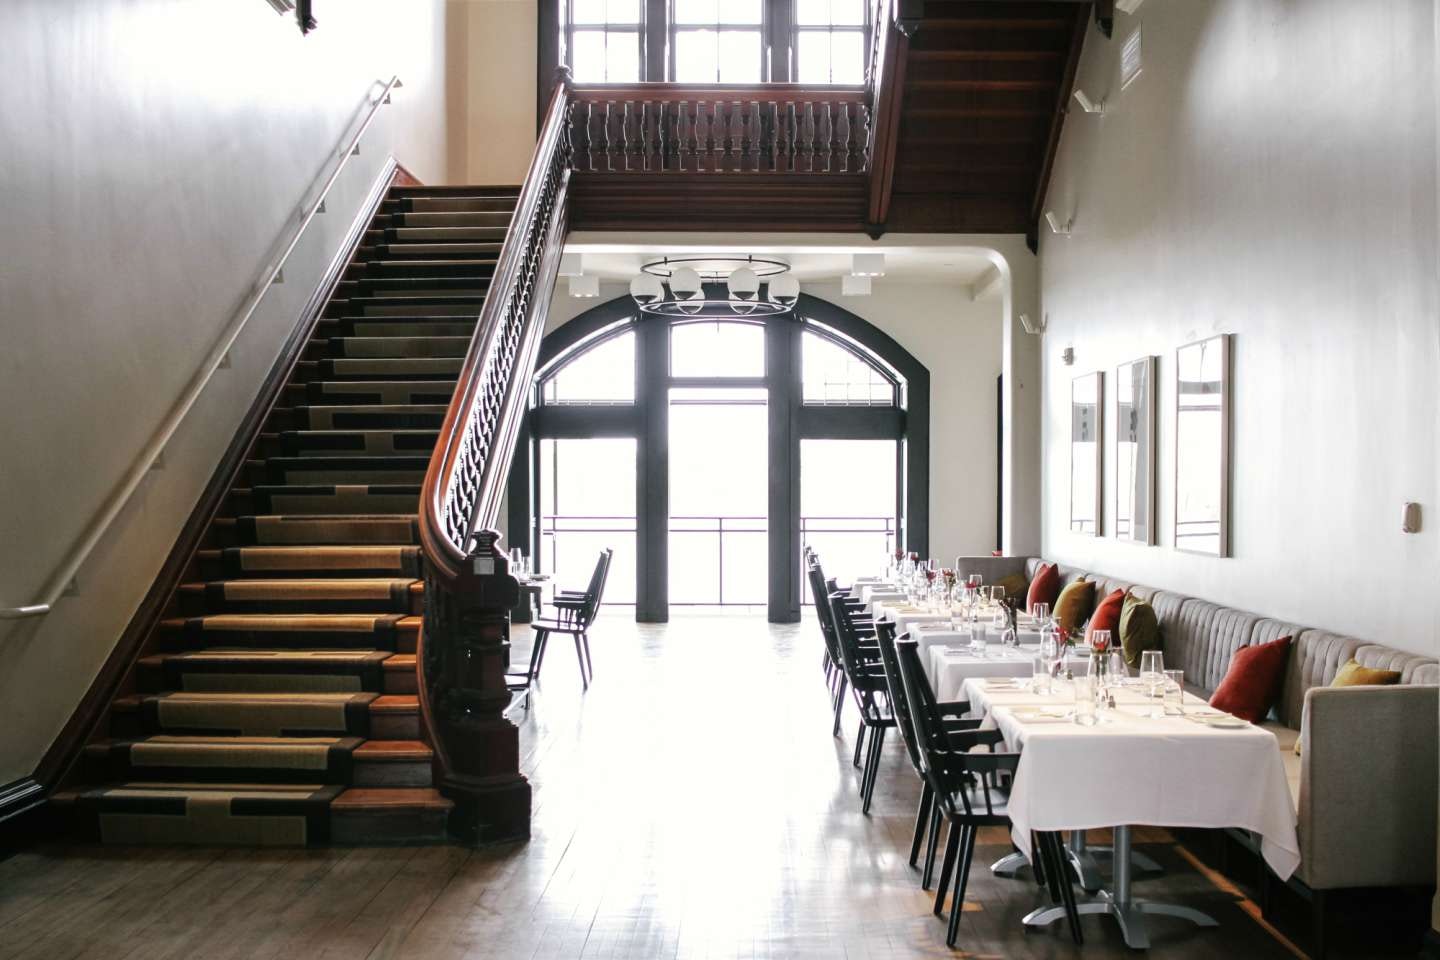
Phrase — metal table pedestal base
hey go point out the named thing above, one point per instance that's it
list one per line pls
(1128, 913)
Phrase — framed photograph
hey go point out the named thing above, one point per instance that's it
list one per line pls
(1087, 403)
(1135, 410)
(1202, 447)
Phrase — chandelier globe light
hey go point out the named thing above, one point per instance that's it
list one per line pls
(690, 287)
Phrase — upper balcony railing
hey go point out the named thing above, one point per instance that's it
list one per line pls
(685, 128)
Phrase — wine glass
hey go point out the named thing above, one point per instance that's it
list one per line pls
(1152, 671)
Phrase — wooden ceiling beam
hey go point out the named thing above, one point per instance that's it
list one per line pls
(1072, 64)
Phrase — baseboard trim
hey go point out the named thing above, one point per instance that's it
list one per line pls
(57, 765)
(22, 815)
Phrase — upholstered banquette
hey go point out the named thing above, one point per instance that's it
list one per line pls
(1365, 779)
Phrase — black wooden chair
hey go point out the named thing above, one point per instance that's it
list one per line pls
(575, 613)
(821, 589)
(866, 676)
(927, 815)
(967, 789)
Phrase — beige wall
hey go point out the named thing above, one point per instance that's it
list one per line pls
(492, 85)
(960, 341)
(1271, 174)
(152, 153)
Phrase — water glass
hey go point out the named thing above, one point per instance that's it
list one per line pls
(1085, 713)
(1117, 673)
(1040, 612)
(978, 640)
(1152, 672)
(1174, 693)
(1040, 675)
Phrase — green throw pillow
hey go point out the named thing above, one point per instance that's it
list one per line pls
(1139, 629)
(1015, 585)
(1075, 604)
(1354, 675)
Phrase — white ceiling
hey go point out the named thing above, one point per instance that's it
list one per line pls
(819, 257)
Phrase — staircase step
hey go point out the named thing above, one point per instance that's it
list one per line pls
(413, 286)
(308, 470)
(370, 443)
(400, 675)
(455, 204)
(310, 595)
(311, 499)
(494, 232)
(335, 532)
(392, 368)
(447, 306)
(212, 814)
(392, 763)
(365, 328)
(477, 268)
(395, 717)
(245, 714)
(380, 391)
(376, 348)
(368, 416)
(322, 560)
(493, 219)
(480, 252)
(387, 631)
(165, 757)
(401, 191)
(273, 671)
(389, 815)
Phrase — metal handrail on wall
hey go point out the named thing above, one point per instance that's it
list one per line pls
(60, 581)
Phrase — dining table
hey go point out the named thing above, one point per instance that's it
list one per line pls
(1136, 765)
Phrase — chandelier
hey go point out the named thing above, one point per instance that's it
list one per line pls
(676, 287)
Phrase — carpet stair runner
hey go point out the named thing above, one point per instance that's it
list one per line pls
(276, 703)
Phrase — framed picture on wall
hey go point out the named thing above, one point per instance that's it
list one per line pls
(1202, 447)
(1087, 396)
(1135, 409)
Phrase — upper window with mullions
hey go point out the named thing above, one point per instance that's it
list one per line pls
(830, 41)
(604, 40)
(717, 41)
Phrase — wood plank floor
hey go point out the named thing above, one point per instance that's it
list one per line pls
(691, 804)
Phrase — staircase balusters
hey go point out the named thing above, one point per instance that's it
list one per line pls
(653, 128)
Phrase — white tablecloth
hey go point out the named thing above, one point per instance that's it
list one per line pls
(950, 667)
(1132, 769)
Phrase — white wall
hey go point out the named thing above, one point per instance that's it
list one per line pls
(492, 88)
(1271, 174)
(152, 153)
(959, 340)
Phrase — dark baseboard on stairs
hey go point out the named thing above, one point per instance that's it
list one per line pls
(23, 818)
(65, 752)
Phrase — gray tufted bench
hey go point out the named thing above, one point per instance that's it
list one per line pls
(1365, 782)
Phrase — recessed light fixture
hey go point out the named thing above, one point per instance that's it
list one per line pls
(571, 264)
(852, 286)
(867, 265)
(585, 287)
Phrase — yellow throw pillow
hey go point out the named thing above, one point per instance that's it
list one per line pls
(1139, 629)
(1015, 585)
(1075, 604)
(1354, 675)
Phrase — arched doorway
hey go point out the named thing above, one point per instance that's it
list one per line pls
(673, 417)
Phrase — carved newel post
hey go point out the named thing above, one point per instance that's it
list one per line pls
(465, 650)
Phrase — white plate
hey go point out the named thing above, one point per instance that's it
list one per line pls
(1032, 715)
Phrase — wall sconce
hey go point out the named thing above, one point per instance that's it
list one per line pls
(1033, 328)
(1088, 105)
(1068, 356)
(1061, 228)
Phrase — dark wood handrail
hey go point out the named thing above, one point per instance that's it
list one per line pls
(463, 650)
(885, 82)
(454, 506)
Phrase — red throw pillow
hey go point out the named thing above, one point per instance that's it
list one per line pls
(1045, 588)
(1107, 615)
(1252, 684)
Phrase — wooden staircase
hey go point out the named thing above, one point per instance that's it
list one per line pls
(276, 702)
